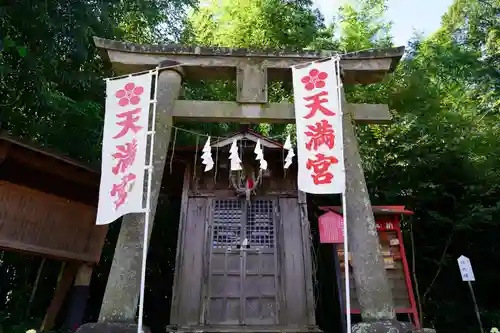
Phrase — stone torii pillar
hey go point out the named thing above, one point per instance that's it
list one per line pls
(121, 297)
(122, 290)
(252, 71)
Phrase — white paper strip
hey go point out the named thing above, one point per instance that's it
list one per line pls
(289, 158)
(263, 164)
(124, 147)
(258, 150)
(206, 157)
(234, 158)
(206, 147)
(260, 155)
(319, 128)
(290, 154)
(288, 143)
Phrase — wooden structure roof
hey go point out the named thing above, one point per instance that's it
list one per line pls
(48, 203)
(377, 210)
(19, 159)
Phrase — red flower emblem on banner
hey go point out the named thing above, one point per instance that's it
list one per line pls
(129, 95)
(315, 79)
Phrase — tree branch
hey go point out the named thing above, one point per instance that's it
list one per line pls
(440, 265)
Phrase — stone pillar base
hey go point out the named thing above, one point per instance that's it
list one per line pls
(386, 326)
(110, 328)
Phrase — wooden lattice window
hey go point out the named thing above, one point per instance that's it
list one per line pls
(227, 226)
(260, 224)
(235, 221)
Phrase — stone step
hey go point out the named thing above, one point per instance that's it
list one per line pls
(242, 329)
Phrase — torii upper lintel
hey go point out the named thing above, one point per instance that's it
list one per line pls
(199, 62)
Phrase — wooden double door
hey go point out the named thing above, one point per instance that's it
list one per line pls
(243, 271)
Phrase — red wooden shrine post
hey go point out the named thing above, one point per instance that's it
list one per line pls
(393, 251)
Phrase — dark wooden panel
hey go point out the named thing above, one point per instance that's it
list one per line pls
(41, 223)
(24, 175)
(190, 279)
(243, 279)
(293, 277)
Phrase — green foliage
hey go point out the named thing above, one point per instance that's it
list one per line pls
(363, 26)
(50, 73)
(261, 24)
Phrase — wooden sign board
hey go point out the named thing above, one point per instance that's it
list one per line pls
(466, 269)
(331, 228)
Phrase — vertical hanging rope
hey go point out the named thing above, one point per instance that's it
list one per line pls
(216, 161)
(173, 150)
(241, 172)
(196, 158)
(283, 162)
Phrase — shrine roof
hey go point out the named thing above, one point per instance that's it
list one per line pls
(377, 210)
(14, 151)
(202, 62)
(246, 135)
(249, 135)
(26, 144)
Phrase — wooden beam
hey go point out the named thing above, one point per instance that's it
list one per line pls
(233, 112)
(4, 149)
(64, 282)
(79, 296)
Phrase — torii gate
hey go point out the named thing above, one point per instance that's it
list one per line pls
(252, 70)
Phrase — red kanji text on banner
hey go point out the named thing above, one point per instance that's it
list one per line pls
(318, 117)
(124, 147)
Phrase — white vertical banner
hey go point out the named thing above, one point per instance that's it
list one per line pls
(124, 147)
(318, 117)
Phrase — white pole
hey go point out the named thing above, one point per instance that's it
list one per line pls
(344, 212)
(147, 211)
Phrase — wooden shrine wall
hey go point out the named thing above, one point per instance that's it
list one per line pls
(36, 222)
(190, 306)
